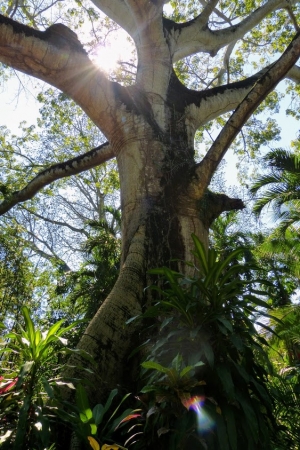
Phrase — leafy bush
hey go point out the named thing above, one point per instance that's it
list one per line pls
(285, 389)
(97, 425)
(31, 404)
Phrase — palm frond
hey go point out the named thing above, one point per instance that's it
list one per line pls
(283, 160)
(283, 188)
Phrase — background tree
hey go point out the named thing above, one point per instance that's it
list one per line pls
(280, 188)
(150, 125)
(54, 225)
(17, 278)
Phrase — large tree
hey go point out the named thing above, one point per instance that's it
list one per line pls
(150, 127)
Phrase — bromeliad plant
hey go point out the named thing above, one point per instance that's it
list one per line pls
(207, 324)
(24, 416)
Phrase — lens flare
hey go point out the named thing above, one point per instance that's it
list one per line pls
(205, 423)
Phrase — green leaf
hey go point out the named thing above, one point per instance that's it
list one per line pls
(225, 378)
(29, 325)
(200, 253)
(24, 371)
(83, 404)
(155, 366)
(199, 364)
(133, 319)
(126, 415)
(21, 426)
(262, 393)
(226, 323)
(98, 413)
(117, 409)
(227, 261)
(48, 388)
(209, 353)
(221, 432)
(43, 430)
(85, 415)
(249, 414)
(52, 330)
(177, 362)
(70, 327)
(110, 399)
(230, 425)
(150, 388)
(185, 371)
(93, 428)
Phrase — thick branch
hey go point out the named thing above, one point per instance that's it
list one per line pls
(205, 169)
(202, 106)
(73, 166)
(195, 36)
(294, 74)
(118, 11)
(213, 204)
(57, 222)
(57, 57)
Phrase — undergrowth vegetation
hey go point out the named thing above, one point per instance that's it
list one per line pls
(208, 379)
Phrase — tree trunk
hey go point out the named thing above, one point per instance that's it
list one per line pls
(158, 217)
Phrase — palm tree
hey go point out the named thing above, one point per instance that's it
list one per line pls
(282, 185)
(281, 190)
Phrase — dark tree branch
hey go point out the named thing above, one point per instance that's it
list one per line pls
(58, 34)
(73, 166)
(205, 169)
(213, 204)
(57, 57)
(57, 222)
(54, 259)
(182, 97)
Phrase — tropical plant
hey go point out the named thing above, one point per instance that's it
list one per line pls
(279, 189)
(25, 389)
(277, 256)
(286, 338)
(282, 185)
(208, 356)
(92, 426)
(284, 353)
(285, 390)
(230, 231)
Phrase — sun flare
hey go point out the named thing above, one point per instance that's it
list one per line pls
(116, 49)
